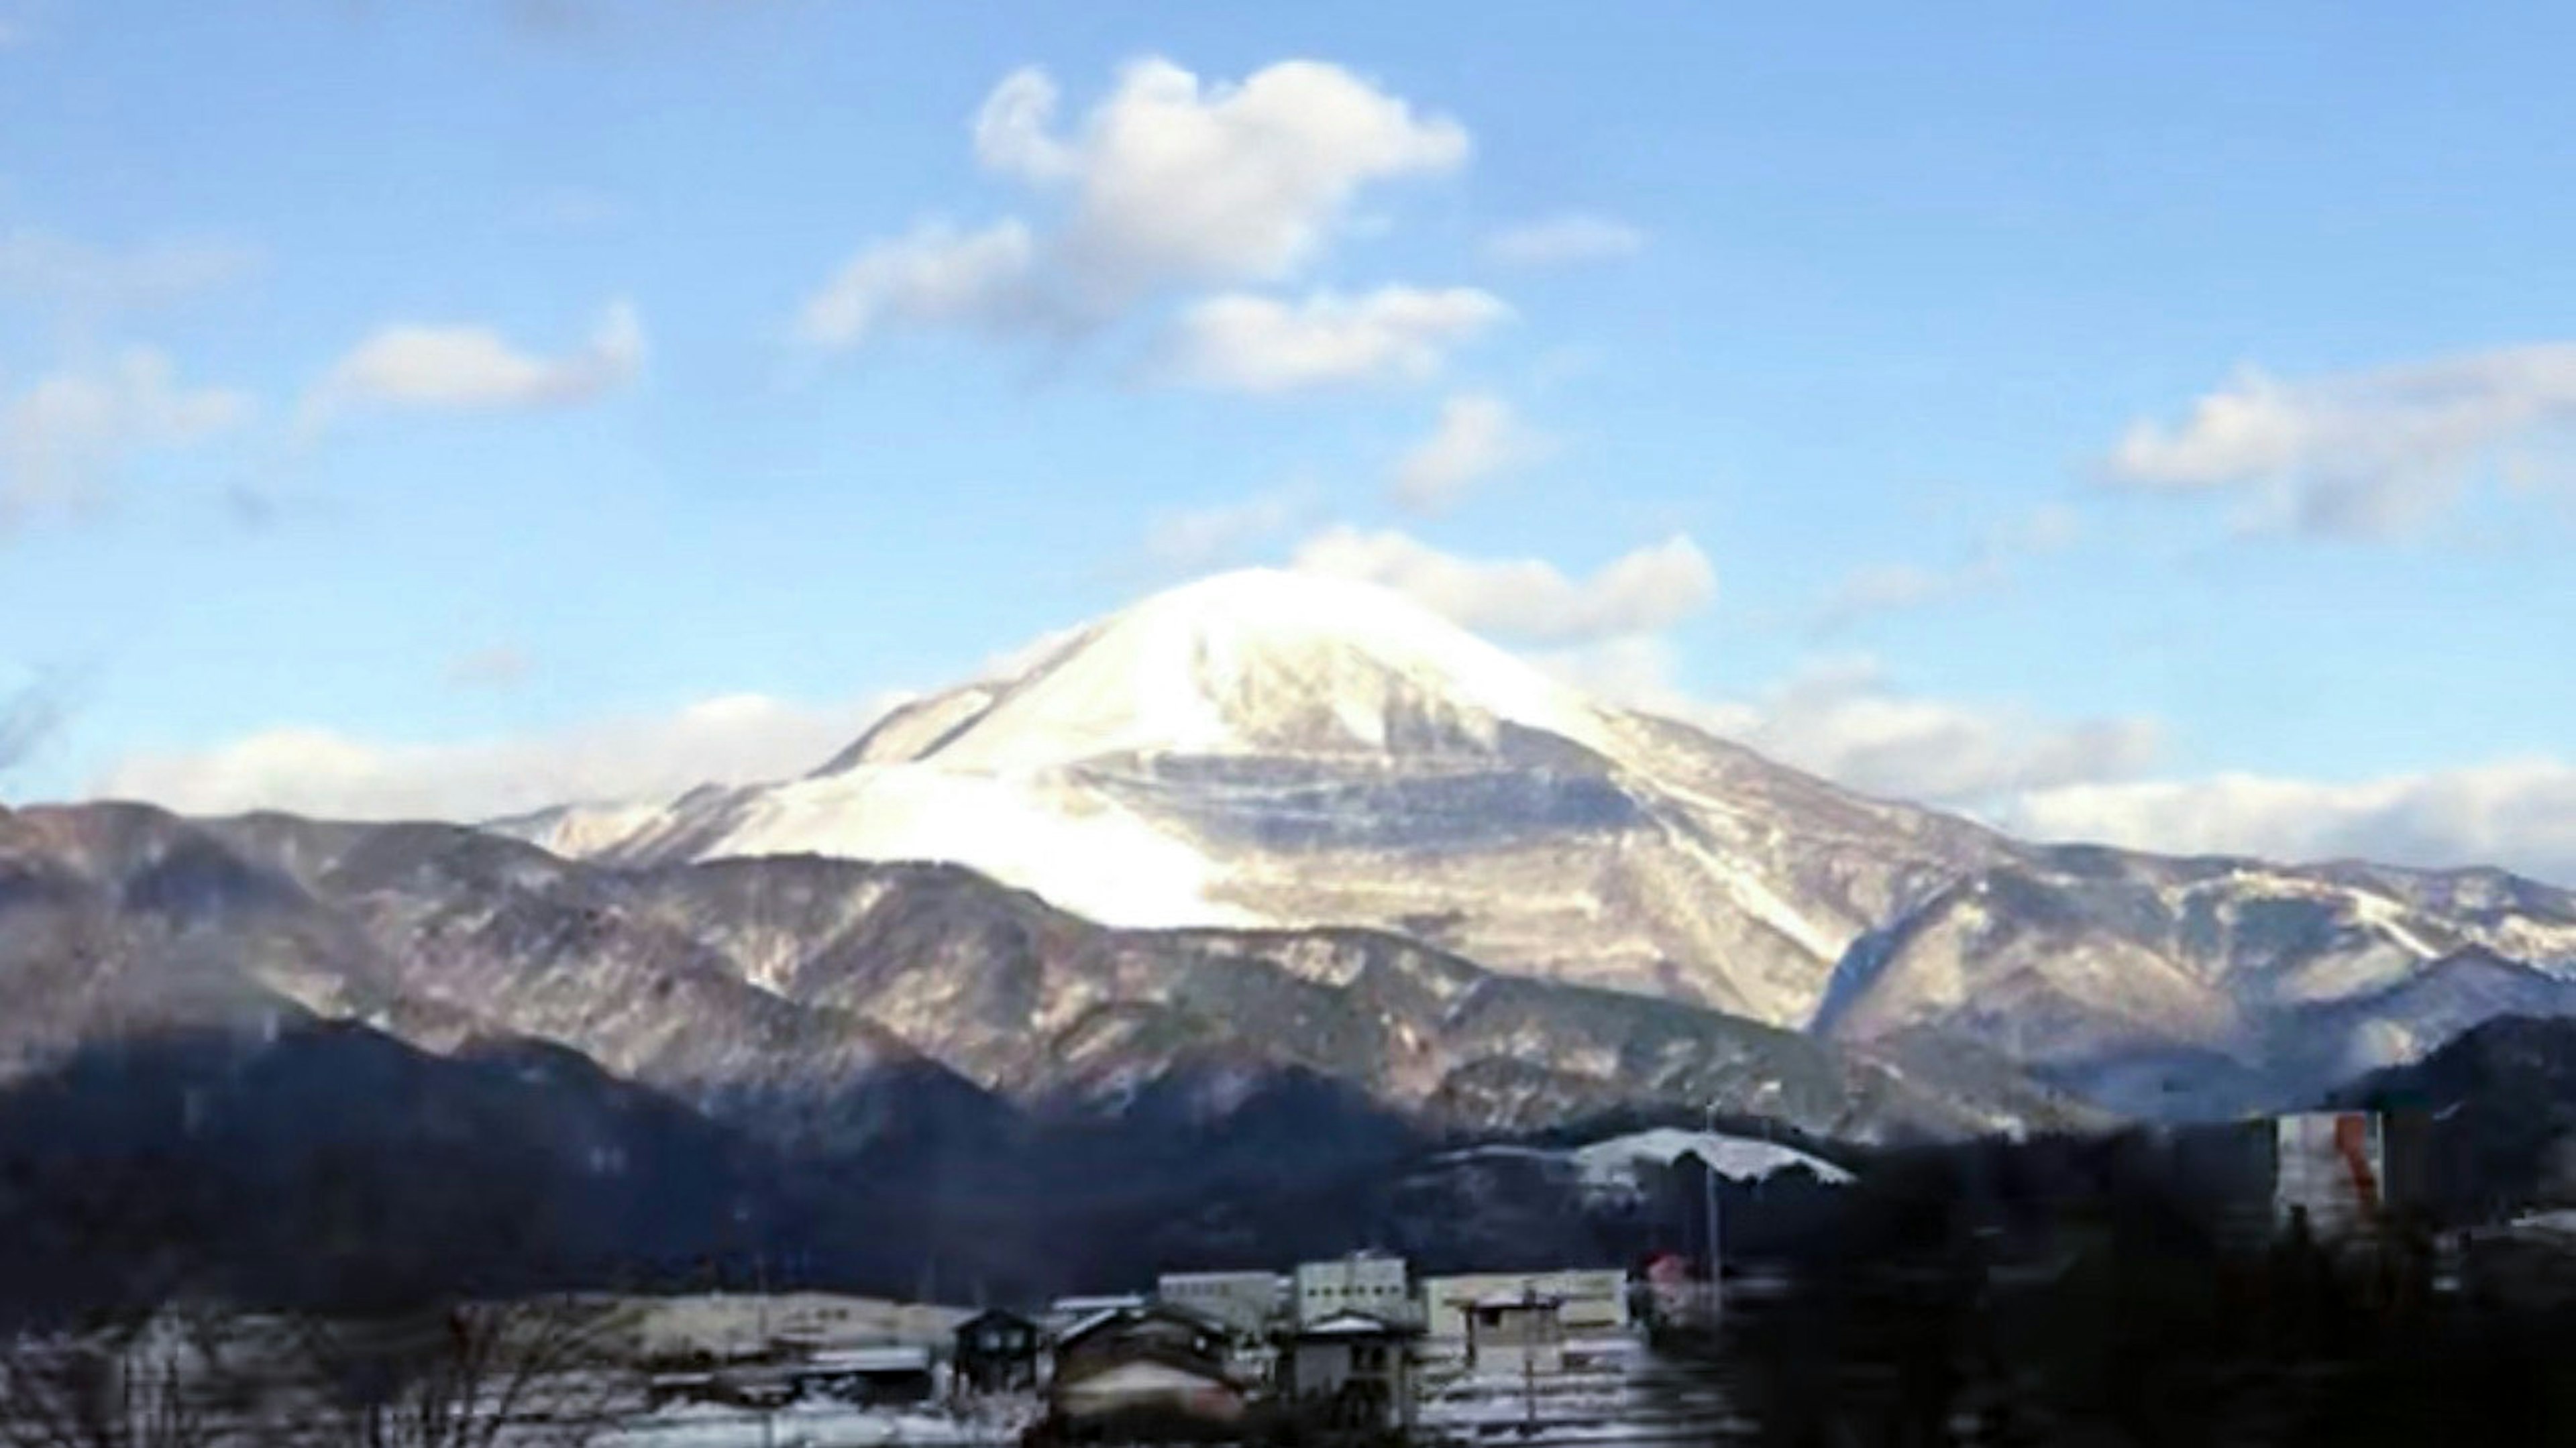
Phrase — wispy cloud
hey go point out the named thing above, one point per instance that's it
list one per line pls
(456, 368)
(731, 739)
(2357, 454)
(935, 276)
(1564, 240)
(69, 433)
(1524, 599)
(2520, 813)
(1846, 719)
(1242, 342)
(1476, 437)
(1882, 588)
(1849, 719)
(1200, 538)
(87, 283)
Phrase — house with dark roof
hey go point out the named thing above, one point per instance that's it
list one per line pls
(996, 1352)
(1131, 1365)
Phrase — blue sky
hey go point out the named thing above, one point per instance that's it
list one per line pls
(2153, 427)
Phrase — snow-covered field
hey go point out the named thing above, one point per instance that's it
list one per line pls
(813, 1425)
(1613, 1391)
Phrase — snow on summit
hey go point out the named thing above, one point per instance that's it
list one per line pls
(1002, 774)
(1264, 661)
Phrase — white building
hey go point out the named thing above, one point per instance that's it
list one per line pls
(1371, 1282)
(1244, 1301)
(1591, 1301)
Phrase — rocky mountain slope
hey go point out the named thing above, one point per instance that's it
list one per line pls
(2205, 987)
(846, 1003)
(1267, 752)
(2494, 1112)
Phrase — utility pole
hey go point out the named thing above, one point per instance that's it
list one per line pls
(1716, 1257)
(760, 1282)
(1529, 1361)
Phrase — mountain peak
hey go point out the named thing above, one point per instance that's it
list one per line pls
(1260, 661)
(1278, 598)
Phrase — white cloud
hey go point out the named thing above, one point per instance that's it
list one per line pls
(1173, 181)
(468, 368)
(935, 276)
(1167, 183)
(1476, 437)
(2520, 814)
(1239, 342)
(732, 739)
(2366, 453)
(1527, 599)
(1195, 539)
(88, 280)
(63, 436)
(1845, 719)
(1563, 240)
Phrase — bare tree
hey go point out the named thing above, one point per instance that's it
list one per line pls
(462, 1375)
(167, 1379)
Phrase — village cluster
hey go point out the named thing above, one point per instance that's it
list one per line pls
(1358, 1343)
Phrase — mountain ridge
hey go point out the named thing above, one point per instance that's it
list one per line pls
(1247, 748)
(1354, 842)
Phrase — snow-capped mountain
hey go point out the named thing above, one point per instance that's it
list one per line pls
(1268, 824)
(1268, 751)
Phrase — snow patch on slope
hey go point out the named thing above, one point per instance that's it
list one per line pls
(574, 831)
(1611, 1166)
(1079, 852)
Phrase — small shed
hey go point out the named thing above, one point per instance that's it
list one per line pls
(875, 1376)
(1517, 1333)
(997, 1352)
(1356, 1369)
